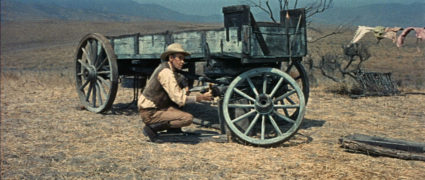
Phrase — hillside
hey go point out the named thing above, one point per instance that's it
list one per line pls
(389, 14)
(94, 10)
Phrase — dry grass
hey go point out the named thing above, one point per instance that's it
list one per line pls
(44, 135)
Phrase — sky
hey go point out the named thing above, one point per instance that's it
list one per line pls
(213, 7)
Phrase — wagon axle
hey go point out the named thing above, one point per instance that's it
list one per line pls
(263, 104)
(90, 73)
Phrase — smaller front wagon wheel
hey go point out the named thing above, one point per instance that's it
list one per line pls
(266, 99)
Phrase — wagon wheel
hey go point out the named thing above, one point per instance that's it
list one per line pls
(96, 73)
(258, 94)
(296, 70)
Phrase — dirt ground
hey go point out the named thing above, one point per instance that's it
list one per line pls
(45, 135)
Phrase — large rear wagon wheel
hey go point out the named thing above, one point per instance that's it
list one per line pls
(258, 94)
(96, 73)
(297, 71)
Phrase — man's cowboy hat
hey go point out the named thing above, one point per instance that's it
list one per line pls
(173, 48)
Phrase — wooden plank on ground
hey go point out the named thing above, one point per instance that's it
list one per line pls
(382, 146)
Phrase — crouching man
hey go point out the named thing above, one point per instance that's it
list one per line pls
(162, 97)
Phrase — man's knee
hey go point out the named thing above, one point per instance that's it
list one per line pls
(187, 119)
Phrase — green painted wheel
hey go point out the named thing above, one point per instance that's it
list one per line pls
(261, 118)
(96, 73)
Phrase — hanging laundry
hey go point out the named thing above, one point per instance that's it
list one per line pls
(420, 34)
(360, 32)
(378, 31)
(391, 33)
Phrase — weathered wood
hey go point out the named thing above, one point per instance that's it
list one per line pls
(259, 40)
(259, 36)
(191, 138)
(382, 146)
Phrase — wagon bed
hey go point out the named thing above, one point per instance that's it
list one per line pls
(219, 43)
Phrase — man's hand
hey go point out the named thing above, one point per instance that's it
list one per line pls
(186, 89)
(204, 97)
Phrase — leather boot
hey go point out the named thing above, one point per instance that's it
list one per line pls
(161, 126)
(151, 130)
(148, 132)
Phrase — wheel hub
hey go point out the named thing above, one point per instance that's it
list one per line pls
(90, 73)
(263, 104)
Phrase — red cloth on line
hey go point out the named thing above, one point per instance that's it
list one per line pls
(420, 34)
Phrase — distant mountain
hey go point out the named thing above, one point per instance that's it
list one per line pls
(389, 14)
(89, 10)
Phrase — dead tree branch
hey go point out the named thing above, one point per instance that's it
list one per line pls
(314, 8)
(270, 10)
(339, 30)
(266, 9)
(318, 7)
(332, 65)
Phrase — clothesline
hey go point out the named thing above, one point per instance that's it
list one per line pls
(381, 32)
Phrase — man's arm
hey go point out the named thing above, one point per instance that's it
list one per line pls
(175, 92)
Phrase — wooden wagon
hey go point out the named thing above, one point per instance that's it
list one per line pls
(257, 65)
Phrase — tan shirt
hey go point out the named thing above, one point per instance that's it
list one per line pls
(168, 81)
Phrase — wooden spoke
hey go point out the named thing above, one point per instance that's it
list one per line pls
(91, 52)
(99, 94)
(94, 95)
(100, 58)
(251, 125)
(285, 95)
(284, 117)
(290, 100)
(103, 72)
(265, 84)
(263, 126)
(87, 51)
(276, 127)
(243, 94)
(292, 106)
(83, 63)
(252, 86)
(102, 89)
(84, 85)
(285, 110)
(102, 63)
(244, 116)
(104, 81)
(89, 92)
(276, 87)
(241, 106)
(94, 51)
